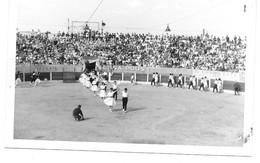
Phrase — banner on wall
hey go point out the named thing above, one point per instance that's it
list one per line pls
(121, 69)
(167, 71)
(242, 76)
(217, 74)
(48, 68)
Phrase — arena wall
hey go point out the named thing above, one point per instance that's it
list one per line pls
(142, 74)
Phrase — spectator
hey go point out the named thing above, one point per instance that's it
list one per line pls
(191, 52)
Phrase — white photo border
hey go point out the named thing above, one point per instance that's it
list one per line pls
(10, 142)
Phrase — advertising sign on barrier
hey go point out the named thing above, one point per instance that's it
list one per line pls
(216, 74)
(167, 71)
(135, 69)
(68, 68)
(48, 68)
(131, 69)
(242, 76)
(38, 68)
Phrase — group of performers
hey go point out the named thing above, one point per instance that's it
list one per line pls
(155, 79)
(35, 79)
(98, 85)
(193, 83)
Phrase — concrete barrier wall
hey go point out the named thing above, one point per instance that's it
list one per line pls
(142, 74)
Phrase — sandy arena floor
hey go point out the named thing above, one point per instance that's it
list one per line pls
(156, 115)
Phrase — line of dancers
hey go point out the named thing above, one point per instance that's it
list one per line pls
(98, 85)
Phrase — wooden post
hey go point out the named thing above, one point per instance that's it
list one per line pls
(209, 83)
(50, 76)
(147, 77)
(160, 80)
(23, 77)
(222, 86)
(122, 76)
(197, 81)
(184, 82)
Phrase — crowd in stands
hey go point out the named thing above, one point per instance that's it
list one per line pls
(203, 52)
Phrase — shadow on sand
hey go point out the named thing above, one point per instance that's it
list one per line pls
(88, 118)
(130, 109)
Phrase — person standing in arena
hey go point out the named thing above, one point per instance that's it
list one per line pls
(115, 88)
(33, 77)
(37, 81)
(125, 99)
(18, 78)
(170, 80)
(132, 79)
(179, 83)
(205, 81)
(194, 82)
(102, 93)
(236, 88)
(87, 82)
(110, 101)
(202, 84)
(94, 86)
(77, 114)
(219, 85)
(191, 82)
(215, 86)
(153, 80)
(156, 80)
(105, 79)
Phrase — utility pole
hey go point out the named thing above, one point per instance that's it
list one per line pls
(102, 26)
(68, 24)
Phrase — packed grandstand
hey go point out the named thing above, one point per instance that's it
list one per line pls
(203, 52)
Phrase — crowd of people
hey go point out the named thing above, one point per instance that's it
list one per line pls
(204, 52)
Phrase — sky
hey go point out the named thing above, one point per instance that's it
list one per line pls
(184, 17)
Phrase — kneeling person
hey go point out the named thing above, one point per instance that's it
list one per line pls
(77, 113)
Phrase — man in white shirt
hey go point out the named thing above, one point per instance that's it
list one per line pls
(124, 99)
(191, 82)
(206, 85)
(18, 78)
(170, 81)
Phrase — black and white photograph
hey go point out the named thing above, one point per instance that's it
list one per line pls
(132, 76)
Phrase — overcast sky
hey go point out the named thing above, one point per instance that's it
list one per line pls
(188, 17)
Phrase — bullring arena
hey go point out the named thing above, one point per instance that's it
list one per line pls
(155, 115)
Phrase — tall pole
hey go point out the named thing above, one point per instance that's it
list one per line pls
(68, 25)
(102, 26)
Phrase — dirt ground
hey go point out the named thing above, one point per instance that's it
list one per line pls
(156, 115)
